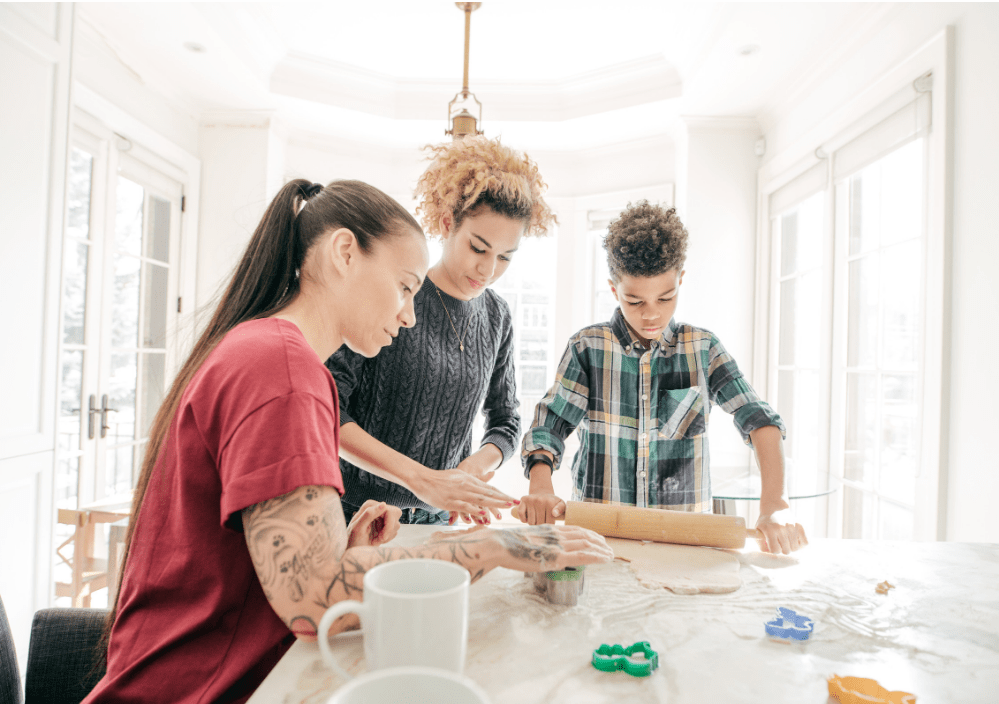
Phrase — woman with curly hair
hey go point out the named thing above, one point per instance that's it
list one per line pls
(407, 413)
(641, 386)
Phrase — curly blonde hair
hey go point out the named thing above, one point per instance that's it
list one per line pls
(477, 172)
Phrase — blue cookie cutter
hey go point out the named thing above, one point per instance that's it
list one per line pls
(611, 658)
(789, 625)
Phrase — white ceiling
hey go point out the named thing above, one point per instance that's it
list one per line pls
(551, 74)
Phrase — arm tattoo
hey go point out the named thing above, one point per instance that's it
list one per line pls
(538, 545)
(294, 539)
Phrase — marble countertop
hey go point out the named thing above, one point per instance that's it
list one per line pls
(935, 635)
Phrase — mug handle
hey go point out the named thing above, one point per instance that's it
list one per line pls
(334, 612)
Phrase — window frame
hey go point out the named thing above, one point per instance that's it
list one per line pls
(871, 105)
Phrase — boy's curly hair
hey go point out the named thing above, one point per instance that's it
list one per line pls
(474, 172)
(645, 240)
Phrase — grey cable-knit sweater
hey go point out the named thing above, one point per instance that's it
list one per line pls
(420, 394)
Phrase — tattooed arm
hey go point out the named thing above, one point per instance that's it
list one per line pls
(306, 560)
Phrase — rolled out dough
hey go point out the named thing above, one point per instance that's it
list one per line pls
(683, 569)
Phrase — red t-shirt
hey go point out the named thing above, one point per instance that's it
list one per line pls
(258, 420)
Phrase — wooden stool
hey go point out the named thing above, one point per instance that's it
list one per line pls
(90, 573)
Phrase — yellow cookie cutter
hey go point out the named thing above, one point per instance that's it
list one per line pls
(860, 690)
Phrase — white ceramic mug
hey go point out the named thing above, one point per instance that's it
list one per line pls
(410, 684)
(414, 613)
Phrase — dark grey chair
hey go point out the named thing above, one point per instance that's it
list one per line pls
(10, 676)
(63, 665)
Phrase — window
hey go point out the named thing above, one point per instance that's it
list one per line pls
(848, 239)
(603, 302)
(120, 295)
(528, 286)
(884, 271)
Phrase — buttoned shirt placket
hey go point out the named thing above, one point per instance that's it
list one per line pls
(646, 424)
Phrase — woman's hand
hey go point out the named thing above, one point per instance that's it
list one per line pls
(374, 524)
(460, 493)
(535, 549)
(537, 509)
(482, 465)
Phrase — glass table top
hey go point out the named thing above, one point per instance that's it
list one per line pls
(746, 487)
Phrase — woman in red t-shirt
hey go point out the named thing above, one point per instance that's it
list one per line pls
(238, 543)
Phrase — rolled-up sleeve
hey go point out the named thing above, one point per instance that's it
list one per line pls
(729, 389)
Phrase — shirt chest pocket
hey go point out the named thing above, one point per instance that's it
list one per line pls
(681, 413)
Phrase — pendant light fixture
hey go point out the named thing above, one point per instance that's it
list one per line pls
(462, 121)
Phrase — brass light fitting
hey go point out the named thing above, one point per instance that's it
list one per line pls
(462, 121)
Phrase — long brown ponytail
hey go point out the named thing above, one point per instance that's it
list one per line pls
(266, 280)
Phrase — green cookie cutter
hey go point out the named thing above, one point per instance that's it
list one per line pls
(611, 658)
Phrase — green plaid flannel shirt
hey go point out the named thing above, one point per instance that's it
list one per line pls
(643, 414)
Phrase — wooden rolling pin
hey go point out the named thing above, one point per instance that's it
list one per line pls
(659, 525)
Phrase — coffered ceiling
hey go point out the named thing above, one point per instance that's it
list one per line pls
(556, 74)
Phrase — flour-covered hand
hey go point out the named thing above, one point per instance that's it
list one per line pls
(536, 549)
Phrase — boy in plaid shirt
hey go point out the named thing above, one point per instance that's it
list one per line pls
(640, 389)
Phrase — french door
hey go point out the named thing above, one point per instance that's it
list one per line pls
(119, 301)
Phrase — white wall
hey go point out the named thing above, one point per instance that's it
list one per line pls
(971, 460)
(99, 67)
(716, 200)
(243, 162)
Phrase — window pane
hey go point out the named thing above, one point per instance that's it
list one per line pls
(862, 325)
(899, 438)
(865, 210)
(153, 387)
(122, 397)
(158, 238)
(534, 381)
(900, 285)
(788, 330)
(67, 481)
(74, 292)
(118, 476)
(786, 408)
(155, 306)
(70, 400)
(861, 427)
(857, 508)
(78, 194)
(125, 302)
(808, 321)
(789, 244)
(801, 236)
(128, 217)
(806, 423)
(810, 230)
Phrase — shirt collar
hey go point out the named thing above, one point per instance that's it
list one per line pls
(629, 340)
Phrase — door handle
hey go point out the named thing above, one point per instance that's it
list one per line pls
(91, 412)
(104, 409)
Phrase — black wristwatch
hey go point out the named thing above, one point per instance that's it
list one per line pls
(539, 457)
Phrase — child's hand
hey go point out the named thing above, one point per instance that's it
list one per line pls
(536, 509)
(374, 523)
(780, 537)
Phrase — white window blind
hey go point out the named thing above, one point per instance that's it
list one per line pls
(904, 125)
(799, 189)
